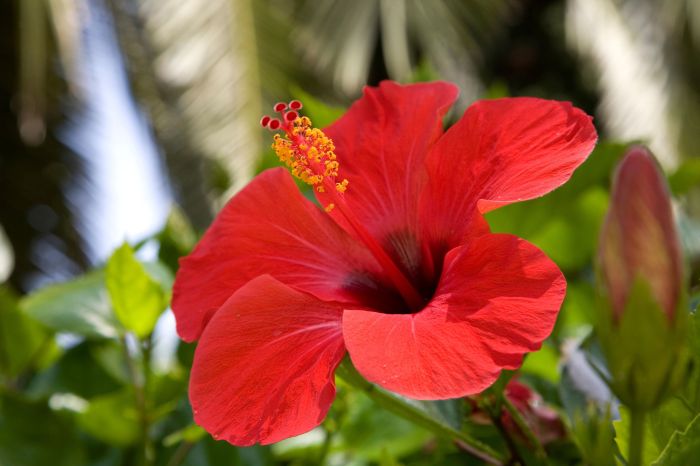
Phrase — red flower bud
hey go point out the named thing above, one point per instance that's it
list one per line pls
(639, 238)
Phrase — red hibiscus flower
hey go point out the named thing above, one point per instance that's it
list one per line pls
(400, 270)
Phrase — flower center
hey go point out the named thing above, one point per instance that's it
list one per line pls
(310, 156)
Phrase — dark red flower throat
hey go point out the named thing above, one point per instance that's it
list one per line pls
(310, 156)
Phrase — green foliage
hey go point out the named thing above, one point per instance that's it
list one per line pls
(111, 418)
(370, 433)
(137, 298)
(686, 177)
(77, 372)
(320, 113)
(622, 434)
(543, 363)
(24, 343)
(645, 350)
(683, 448)
(32, 434)
(80, 306)
(594, 434)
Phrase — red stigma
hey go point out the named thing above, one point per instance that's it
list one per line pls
(287, 117)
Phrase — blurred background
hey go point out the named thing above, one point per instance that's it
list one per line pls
(112, 112)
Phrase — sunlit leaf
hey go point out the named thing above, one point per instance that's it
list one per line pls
(137, 298)
(543, 363)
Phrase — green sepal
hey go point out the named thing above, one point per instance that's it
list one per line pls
(645, 349)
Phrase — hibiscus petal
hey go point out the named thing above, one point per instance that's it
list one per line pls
(269, 227)
(501, 151)
(381, 144)
(497, 299)
(264, 368)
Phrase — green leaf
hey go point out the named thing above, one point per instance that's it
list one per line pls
(684, 447)
(208, 452)
(387, 459)
(372, 432)
(111, 418)
(593, 431)
(80, 306)
(31, 434)
(408, 409)
(137, 298)
(192, 434)
(543, 363)
(77, 372)
(23, 341)
(673, 416)
(686, 177)
(622, 435)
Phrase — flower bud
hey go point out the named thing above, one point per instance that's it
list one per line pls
(639, 238)
(643, 318)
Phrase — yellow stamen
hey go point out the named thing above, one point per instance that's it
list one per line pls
(310, 155)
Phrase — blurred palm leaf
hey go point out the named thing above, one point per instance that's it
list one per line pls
(339, 39)
(35, 164)
(194, 67)
(645, 57)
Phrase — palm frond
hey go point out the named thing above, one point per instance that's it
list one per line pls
(638, 60)
(194, 67)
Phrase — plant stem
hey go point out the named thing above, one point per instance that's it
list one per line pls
(523, 426)
(515, 457)
(180, 454)
(636, 441)
(138, 381)
(403, 408)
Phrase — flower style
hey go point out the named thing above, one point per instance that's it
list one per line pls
(400, 270)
